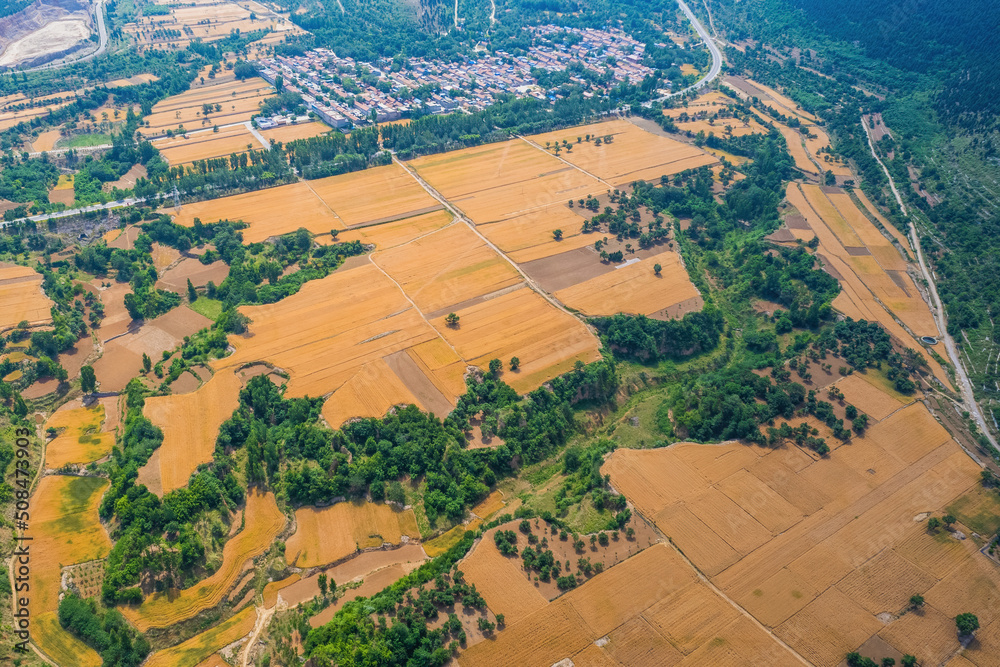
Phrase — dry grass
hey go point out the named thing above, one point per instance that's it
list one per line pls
(635, 288)
(60, 645)
(633, 154)
(377, 194)
(21, 297)
(329, 534)
(263, 523)
(81, 440)
(190, 424)
(192, 652)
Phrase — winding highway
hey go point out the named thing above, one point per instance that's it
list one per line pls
(937, 309)
(716, 67)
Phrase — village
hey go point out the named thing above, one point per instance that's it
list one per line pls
(344, 92)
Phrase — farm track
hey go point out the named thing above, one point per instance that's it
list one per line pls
(937, 310)
(461, 216)
(566, 162)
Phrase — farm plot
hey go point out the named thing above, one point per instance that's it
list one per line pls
(635, 288)
(521, 323)
(122, 357)
(22, 298)
(192, 652)
(632, 155)
(846, 544)
(177, 276)
(332, 533)
(380, 194)
(867, 397)
(628, 606)
(299, 131)
(392, 234)
(863, 281)
(266, 211)
(206, 144)
(190, 424)
(343, 321)
(206, 22)
(263, 523)
(530, 236)
(81, 440)
(66, 530)
(225, 103)
(499, 181)
(447, 268)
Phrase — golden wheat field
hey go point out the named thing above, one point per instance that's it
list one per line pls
(635, 288)
(862, 278)
(192, 652)
(81, 439)
(633, 154)
(298, 131)
(520, 324)
(21, 297)
(632, 609)
(66, 530)
(190, 424)
(447, 267)
(327, 535)
(266, 211)
(824, 552)
(343, 321)
(206, 144)
(263, 523)
(238, 101)
(528, 236)
(379, 194)
(502, 180)
(391, 234)
(206, 22)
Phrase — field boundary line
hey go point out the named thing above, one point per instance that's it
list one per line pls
(567, 162)
(461, 216)
(718, 591)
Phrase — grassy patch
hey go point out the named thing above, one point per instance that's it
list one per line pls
(637, 427)
(978, 509)
(85, 140)
(210, 308)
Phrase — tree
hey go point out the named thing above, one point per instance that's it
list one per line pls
(500, 620)
(967, 624)
(495, 367)
(916, 601)
(515, 363)
(933, 524)
(452, 319)
(147, 363)
(88, 380)
(557, 234)
(657, 268)
(192, 292)
(948, 519)
(321, 580)
(909, 661)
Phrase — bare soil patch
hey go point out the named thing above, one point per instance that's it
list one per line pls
(403, 365)
(566, 269)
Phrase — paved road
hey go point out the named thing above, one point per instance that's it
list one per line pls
(75, 211)
(964, 384)
(716, 68)
(102, 31)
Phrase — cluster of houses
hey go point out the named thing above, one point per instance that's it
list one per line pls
(346, 93)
